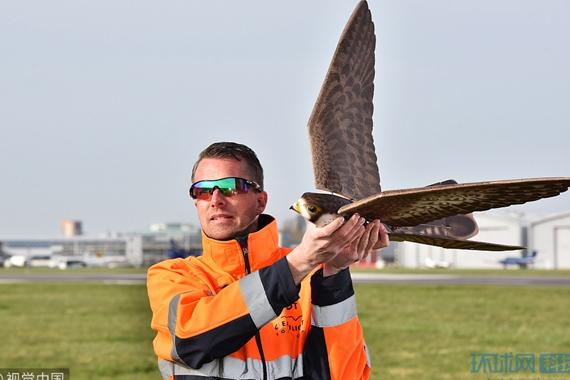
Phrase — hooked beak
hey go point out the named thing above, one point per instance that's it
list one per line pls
(295, 207)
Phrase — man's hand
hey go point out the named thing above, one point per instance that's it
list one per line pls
(320, 245)
(374, 237)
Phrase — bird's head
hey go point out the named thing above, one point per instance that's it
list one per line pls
(319, 209)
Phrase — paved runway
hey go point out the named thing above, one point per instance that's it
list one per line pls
(80, 277)
(377, 278)
(390, 278)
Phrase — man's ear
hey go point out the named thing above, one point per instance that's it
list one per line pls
(261, 202)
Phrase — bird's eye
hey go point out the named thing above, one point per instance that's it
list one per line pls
(312, 209)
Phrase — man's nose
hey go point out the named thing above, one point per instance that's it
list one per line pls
(218, 198)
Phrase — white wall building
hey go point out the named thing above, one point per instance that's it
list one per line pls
(550, 238)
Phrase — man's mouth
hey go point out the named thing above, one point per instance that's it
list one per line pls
(221, 217)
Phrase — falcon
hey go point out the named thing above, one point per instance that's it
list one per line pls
(345, 164)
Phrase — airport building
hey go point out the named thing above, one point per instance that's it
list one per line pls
(109, 250)
(549, 237)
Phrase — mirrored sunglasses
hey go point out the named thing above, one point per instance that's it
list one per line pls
(228, 186)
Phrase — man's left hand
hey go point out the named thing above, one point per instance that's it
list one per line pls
(374, 237)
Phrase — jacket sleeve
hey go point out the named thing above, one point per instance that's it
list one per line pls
(195, 326)
(335, 347)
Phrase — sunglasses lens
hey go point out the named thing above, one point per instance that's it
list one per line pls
(241, 186)
(227, 186)
(200, 193)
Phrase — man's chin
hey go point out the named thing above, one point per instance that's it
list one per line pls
(221, 234)
(223, 230)
(228, 231)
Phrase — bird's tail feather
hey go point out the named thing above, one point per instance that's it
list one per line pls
(460, 227)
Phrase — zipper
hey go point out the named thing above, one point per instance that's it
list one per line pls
(245, 252)
(243, 244)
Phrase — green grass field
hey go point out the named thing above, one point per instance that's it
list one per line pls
(429, 332)
(413, 331)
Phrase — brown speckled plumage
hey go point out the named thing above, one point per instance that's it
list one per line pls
(410, 207)
(340, 126)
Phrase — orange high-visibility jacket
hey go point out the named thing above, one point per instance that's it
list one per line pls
(236, 313)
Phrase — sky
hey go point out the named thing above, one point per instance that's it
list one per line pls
(105, 105)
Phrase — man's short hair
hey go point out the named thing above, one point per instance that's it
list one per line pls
(232, 150)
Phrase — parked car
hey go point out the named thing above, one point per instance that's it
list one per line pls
(39, 261)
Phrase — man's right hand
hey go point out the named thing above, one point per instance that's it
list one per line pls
(320, 245)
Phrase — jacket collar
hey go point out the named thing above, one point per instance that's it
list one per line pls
(262, 249)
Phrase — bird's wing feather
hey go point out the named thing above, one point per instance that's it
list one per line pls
(340, 126)
(451, 243)
(411, 207)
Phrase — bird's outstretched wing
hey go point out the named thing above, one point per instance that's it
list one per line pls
(451, 243)
(340, 126)
(461, 226)
(411, 207)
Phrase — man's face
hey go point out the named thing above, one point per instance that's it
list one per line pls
(224, 218)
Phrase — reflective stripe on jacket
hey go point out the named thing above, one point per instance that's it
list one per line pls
(236, 313)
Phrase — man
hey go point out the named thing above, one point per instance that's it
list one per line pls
(248, 309)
